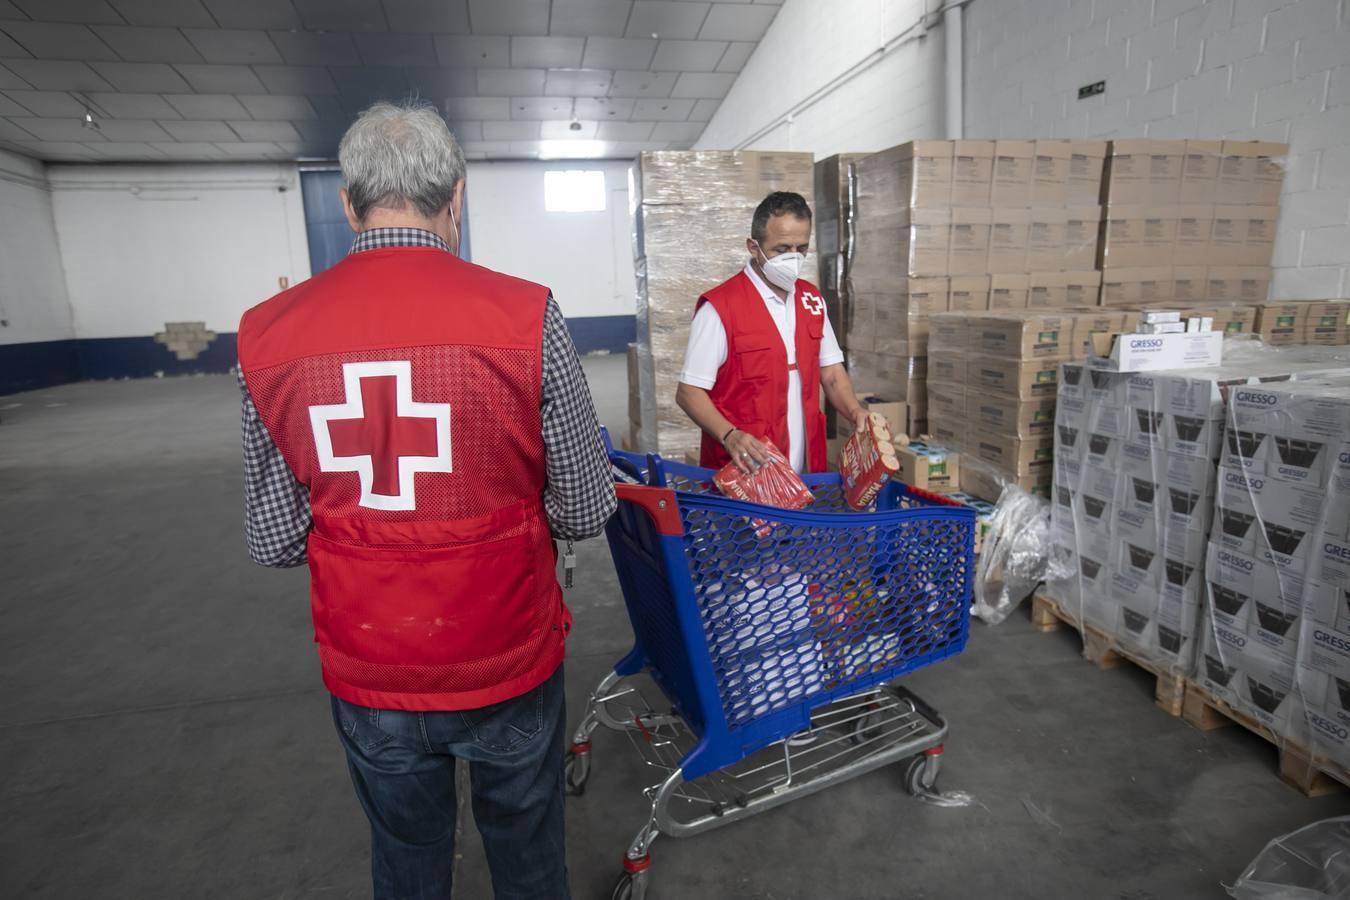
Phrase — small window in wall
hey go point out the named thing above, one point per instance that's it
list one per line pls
(574, 190)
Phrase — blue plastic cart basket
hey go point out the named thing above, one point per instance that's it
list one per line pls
(772, 636)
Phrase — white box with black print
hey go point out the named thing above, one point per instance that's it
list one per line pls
(1291, 432)
(1327, 714)
(1258, 514)
(1161, 626)
(1217, 658)
(1248, 677)
(1263, 601)
(1073, 382)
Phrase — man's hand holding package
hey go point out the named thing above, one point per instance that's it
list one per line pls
(746, 450)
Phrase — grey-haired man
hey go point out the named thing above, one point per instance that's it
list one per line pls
(417, 429)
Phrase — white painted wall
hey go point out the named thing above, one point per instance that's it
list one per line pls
(146, 245)
(33, 301)
(586, 258)
(1275, 70)
(1241, 69)
(883, 98)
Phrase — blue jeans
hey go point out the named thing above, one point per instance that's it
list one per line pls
(403, 767)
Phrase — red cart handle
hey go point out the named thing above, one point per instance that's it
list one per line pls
(658, 502)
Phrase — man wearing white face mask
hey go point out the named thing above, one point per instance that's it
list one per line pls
(760, 349)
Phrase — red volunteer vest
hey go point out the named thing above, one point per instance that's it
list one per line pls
(751, 387)
(402, 386)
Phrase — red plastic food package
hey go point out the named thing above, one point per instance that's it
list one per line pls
(868, 461)
(772, 484)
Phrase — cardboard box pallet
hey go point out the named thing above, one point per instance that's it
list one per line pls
(992, 392)
(1137, 488)
(1275, 644)
(719, 190)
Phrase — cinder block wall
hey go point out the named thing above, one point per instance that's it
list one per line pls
(1276, 70)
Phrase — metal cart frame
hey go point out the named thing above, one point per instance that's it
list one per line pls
(717, 761)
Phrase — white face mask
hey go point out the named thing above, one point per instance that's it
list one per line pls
(782, 270)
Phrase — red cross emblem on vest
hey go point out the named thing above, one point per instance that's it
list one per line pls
(382, 434)
(813, 304)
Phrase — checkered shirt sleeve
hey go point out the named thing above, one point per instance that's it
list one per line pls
(276, 505)
(579, 492)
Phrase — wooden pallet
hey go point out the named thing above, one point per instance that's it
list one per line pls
(1310, 773)
(1105, 652)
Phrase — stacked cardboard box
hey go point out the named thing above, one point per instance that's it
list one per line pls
(994, 385)
(1327, 323)
(1277, 323)
(691, 217)
(897, 270)
(963, 226)
(1189, 220)
(1275, 643)
(833, 223)
(1134, 495)
(1320, 322)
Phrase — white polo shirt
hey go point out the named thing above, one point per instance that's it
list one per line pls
(707, 352)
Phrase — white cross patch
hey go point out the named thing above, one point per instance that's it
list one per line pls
(813, 303)
(382, 434)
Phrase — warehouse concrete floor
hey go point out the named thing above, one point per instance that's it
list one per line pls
(165, 732)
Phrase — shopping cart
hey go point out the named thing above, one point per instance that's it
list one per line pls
(772, 636)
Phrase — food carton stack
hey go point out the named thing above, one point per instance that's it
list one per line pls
(1275, 642)
(691, 216)
(963, 226)
(1135, 483)
(898, 270)
(993, 390)
(1189, 221)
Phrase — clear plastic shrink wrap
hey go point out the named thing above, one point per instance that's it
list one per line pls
(1308, 864)
(1017, 555)
(833, 211)
(691, 218)
(1139, 505)
(1274, 637)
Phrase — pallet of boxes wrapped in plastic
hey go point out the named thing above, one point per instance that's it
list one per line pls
(833, 233)
(1135, 480)
(1274, 640)
(691, 217)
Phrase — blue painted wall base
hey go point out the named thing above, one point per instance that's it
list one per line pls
(39, 364)
(30, 366)
(593, 334)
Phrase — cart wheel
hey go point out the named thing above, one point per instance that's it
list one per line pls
(630, 886)
(917, 781)
(865, 728)
(577, 770)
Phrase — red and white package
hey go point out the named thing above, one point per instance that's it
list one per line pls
(772, 484)
(867, 461)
